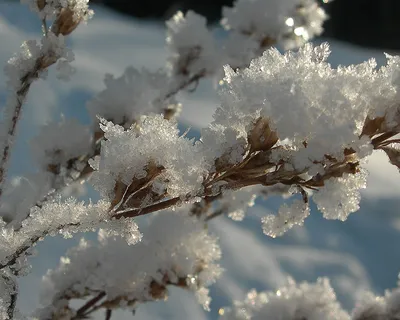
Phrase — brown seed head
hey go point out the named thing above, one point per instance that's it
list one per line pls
(65, 22)
(262, 137)
(41, 4)
(373, 126)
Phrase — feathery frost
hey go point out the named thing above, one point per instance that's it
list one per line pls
(57, 143)
(62, 217)
(291, 302)
(152, 141)
(287, 121)
(288, 216)
(192, 46)
(8, 288)
(132, 95)
(20, 71)
(340, 196)
(236, 203)
(49, 9)
(378, 307)
(305, 99)
(289, 22)
(175, 250)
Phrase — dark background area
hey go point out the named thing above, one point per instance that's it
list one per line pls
(369, 23)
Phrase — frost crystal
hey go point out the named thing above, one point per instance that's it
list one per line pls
(51, 8)
(305, 99)
(21, 193)
(291, 22)
(291, 302)
(130, 96)
(25, 61)
(154, 141)
(63, 217)
(340, 196)
(236, 203)
(379, 308)
(288, 216)
(176, 249)
(8, 287)
(193, 48)
(22, 68)
(59, 142)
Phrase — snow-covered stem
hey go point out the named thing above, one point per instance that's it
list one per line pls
(23, 69)
(288, 124)
(12, 286)
(187, 53)
(15, 110)
(186, 259)
(311, 301)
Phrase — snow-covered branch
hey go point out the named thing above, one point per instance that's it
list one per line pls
(288, 124)
(32, 62)
(176, 250)
(296, 301)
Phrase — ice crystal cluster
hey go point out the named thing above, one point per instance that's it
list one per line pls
(50, 9)
(306, 100)
(134, 94)
(192, 46)
(50, 146)
(153, 141)
(291, 22)
(63, 217)
(288, 124)
(314, 301)
(175, 250)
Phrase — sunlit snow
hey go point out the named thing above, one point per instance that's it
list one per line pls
(358, 254)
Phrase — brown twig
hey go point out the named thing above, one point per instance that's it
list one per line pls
(108, 314)
(20, 97)
(81, 312)
(131, 213)
(193, 79)
(378, 140)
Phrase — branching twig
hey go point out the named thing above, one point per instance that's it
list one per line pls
(81, 312)
(11, 259)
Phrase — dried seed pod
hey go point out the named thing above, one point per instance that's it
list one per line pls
(65, 23)
(373, 126)
(122, 192)
(41, 4)
(394, 156)
(261, 136)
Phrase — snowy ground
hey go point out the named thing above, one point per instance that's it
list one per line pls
(358, 254)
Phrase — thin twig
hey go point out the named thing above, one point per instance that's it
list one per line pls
(195, 78)
(378, 140)
(13, 296)
(108, 314)
(131, 213)
(214, 215)
(11, 259)
(20, 97)
(387, 142)
(82, 310)
(85, 173)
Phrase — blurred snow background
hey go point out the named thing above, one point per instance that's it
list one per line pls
(360, 254)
